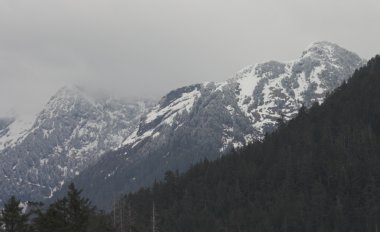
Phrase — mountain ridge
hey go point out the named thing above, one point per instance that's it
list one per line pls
(71, 132)
(205, 120)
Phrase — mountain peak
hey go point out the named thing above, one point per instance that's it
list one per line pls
(320, 49)
(325, 50)
(38, 154)
(69, 91)
(68, 95)
(323, 43)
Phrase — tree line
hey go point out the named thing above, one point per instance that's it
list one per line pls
(72, 213)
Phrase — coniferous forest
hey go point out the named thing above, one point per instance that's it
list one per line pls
(72, 213)
(317, 172)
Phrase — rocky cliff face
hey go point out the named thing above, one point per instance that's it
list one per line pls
(38, 154)
(205, 120)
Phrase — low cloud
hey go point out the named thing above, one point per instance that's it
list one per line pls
(145, 48)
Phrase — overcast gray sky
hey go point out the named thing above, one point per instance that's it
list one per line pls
(148, 47)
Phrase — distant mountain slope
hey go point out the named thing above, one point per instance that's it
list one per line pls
(205, 120)
(318, 172)
(37, 154)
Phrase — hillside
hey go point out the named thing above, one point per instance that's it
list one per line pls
(317, 172)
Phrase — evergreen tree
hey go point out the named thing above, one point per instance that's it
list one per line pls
(79, 209)
(12, 217)
(69, 214)
(54, 218)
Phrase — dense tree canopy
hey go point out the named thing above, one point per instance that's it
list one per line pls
(12, 217)
(69, 214)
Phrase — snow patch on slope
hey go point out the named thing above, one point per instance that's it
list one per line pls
(185, 102)
(166, 115)
(16, 131)
(247, 81)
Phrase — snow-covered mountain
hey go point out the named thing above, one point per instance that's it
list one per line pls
(38, 154)
(204, 120)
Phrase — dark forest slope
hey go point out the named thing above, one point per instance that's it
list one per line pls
(318, 172)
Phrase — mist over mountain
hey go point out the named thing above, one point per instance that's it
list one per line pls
(39, 153)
